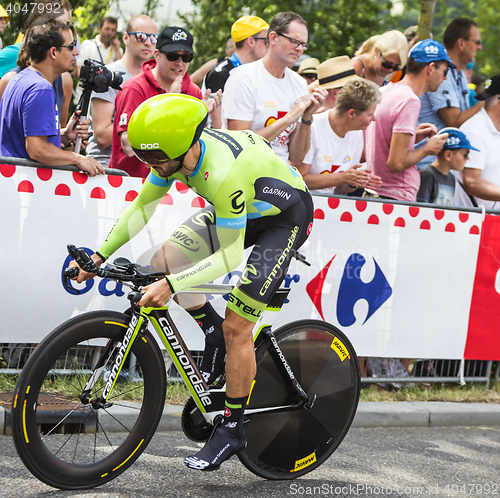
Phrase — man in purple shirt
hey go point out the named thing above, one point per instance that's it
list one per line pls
(29, 121)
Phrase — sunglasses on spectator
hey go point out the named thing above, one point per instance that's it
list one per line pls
(445, 71)
(294, 42)
(477, 42)
(173, 56)
(71, 46)
(142, 37)
(388, 65)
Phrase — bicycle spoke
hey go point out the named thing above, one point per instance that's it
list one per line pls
(116, 420)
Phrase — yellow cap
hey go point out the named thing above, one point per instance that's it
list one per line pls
(247, 26)
(3, 13)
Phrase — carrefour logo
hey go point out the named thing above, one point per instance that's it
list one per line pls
(351, 290)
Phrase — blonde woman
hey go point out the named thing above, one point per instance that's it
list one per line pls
(380, 56)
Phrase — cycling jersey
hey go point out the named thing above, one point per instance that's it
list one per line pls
(257, 199)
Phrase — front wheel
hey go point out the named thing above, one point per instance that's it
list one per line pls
(288, 444)
(72, 445)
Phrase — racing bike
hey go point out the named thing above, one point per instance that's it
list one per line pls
(92, 394)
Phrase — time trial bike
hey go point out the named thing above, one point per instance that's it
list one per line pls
(92, 394)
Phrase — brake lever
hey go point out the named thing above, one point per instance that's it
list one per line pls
(68, 274)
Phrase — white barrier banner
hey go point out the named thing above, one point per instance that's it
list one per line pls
(396, 279)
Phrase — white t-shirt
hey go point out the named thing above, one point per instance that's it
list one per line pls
(330, 153)
(483, 135)
(253, 94)
(94, 49)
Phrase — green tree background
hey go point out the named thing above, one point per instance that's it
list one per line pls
(336, 27)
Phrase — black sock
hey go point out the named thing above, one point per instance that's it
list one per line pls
(210, 322)
(233, 416)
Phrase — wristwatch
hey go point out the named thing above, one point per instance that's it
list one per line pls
(307, 123)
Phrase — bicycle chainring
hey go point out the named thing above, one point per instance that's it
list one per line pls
(198, 433)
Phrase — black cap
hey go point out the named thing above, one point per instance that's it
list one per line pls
(491, 88)
(173, 38)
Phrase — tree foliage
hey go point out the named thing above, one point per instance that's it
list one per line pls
(336, 27)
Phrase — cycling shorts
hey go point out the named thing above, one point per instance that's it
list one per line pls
(275, 239)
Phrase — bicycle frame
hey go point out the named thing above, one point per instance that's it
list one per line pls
(210, 402)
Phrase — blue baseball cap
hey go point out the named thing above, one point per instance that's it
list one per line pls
(430, 51)
(456, 140)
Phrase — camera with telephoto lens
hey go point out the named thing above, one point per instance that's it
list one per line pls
(97, 77)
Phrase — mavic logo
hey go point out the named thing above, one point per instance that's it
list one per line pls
(431, 50)
(351, 290)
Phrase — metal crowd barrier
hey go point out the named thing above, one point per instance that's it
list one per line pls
(14, 356)
(18, 161)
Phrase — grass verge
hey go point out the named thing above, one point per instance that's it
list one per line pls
(177, 394)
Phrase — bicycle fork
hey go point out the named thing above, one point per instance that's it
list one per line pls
(133, 329)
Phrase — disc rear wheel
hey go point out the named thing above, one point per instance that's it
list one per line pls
(288, 444)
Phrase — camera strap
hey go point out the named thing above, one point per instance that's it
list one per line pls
(100, 55)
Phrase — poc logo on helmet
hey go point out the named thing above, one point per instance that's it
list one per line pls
(150, 146)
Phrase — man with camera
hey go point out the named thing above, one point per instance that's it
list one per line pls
(29, 122)
(166, 73)
(140, 42)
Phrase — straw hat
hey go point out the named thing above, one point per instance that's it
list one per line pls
(308, 66)
(336, 72)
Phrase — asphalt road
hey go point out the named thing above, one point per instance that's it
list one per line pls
(408, 462)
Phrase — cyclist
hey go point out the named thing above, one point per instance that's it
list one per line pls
(256, 200)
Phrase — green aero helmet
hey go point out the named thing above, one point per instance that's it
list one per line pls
(166, 126)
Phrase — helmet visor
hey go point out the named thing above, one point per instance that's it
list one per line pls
(151, 156)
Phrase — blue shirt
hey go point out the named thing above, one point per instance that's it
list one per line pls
(8, 58)
(453, 92)
(28, 108)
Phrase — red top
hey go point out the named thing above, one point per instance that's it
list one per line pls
(135, 91)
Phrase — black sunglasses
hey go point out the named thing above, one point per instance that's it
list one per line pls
(173, 56)
(71, 46)
(140, 36)
(388, 65)
(445, 72)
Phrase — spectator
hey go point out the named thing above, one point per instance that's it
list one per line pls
(29, 124)
(199, 75)
(60, 9)
(481, 177)
(332, 165)
(4, 19)
(333, 74)
(381, 55)
(437, 184)
(390, 139)
(449, 106)
(104, 48)
(63, 85)
(308, 69)
(476, 85)
(140, 42)
(269, 98)
(250, 35)
(166, 73)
